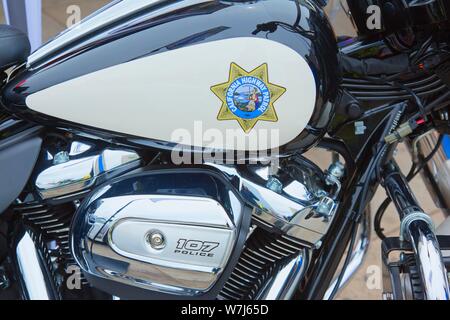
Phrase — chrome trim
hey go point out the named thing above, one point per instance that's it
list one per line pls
(357, 259)
(286, 282)
(294, 211)
(439, 168)
(81, 170)
(33, 278)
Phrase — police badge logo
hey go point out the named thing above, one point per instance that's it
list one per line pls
(248, 97)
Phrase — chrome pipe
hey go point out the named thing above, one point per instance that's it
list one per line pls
(429, 259)
(286, 282)
(34, 280)
(437, 175)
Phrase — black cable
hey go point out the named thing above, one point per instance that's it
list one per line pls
(346, 262)
(365, 115)
(375, 164)
(355, 224)
(423, 110)
(436, 103)
(379, 216)
(366, 186)
(399, 85)
(385, 204)
(413, 172)
(427, 159)
(418, 55)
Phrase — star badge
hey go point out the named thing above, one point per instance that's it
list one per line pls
(248, 97)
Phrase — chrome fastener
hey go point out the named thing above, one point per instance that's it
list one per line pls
(156, 240)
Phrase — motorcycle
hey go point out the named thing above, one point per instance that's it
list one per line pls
(159, 150)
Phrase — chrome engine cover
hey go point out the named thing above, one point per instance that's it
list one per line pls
(72, 172)
(171, 231)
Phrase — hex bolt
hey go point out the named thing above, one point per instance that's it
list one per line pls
(275, 185)
(325, 206)
(61, 157)
(337, 170)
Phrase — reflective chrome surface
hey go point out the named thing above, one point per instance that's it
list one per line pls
(34, 282)
(195, 218)
(287, 280)
(107, 15)
(429, 259)
(438, 168)
(296, 211)
(183, 221)
(115, 10)
(77, 169)
(358, 254)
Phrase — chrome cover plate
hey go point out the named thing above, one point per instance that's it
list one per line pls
(72, 171)
(198, 233)
(197, 220)
(292, 208)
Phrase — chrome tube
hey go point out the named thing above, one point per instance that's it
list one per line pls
(429, 259)
(285, 283)
(34, 280)
(437, 175)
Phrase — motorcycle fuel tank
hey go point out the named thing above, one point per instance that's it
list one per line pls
(226, 75)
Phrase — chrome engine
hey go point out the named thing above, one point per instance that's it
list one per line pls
(172, 231)
(210, 231)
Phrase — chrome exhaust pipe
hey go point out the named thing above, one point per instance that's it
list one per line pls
(286, 282)
(357, 256)
(34, 277)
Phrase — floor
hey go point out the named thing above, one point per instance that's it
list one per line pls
(55, 19)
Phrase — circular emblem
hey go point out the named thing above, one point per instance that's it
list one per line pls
(248, 97)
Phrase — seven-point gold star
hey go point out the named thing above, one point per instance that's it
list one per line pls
(260, 73)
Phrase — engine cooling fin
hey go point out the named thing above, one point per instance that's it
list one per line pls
(51, 224)
(47, 259)
(365, 90)
(264, 254)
